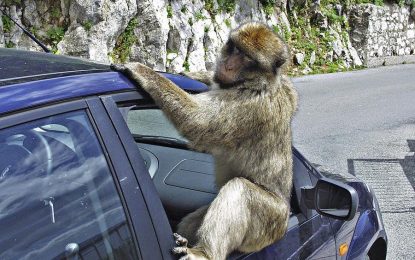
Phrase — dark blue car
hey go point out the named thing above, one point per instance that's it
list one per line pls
(91, 169)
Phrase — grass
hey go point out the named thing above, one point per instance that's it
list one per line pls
(87, 25)
(227, 6)
(169, 11)
(199, 16)
(268, 6)
(55, 35)
(7, 24)
(124, 42)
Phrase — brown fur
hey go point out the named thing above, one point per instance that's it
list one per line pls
(247, 129)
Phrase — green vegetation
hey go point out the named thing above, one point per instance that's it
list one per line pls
(227, 23)
(268, 6)
(183, 9)
(10, 45)
(55, 13)
(7, 24)
(352, 2)
(124, 42)
(199, 16)
(34, 30)
(55, 35)
(227, 5)
(307, 37)
(186, 65)
(87, 25)
(12, 2)
(169, 11)
(210, 7)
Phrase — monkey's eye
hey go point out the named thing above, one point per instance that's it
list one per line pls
(236, 51)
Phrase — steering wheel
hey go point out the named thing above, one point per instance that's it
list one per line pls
(39, 147)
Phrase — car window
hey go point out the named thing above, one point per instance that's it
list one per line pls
(57, 195)
(149, 122)
(146, 124)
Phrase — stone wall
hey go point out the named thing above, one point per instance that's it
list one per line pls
(383, 35)
(177, 35)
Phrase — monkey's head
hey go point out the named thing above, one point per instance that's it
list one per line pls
(252, 50)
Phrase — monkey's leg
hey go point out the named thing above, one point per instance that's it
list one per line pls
(191, 223)
(242, 217)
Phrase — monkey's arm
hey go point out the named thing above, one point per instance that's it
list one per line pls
(202, 76)
(182, 108)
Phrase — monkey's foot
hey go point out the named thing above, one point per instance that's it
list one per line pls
(180, 241)
(189, 253)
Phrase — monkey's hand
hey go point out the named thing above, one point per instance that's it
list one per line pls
(188, 253)
(137, 72)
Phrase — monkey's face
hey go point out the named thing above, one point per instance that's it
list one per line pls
(233, 67)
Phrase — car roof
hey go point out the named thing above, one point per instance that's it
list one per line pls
(18, 66)
(29, 79)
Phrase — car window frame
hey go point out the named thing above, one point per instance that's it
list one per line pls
(133, 203)
(134, 97)
(158, 215)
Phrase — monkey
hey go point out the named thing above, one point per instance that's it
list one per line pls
(244, 121)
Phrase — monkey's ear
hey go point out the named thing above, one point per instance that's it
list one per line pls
(282, 57)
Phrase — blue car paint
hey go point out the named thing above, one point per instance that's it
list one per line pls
(365, 231)
(297, 244)
(29, 94)
(35, 93)
(186, 83)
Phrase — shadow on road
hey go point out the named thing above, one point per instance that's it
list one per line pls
(393, 180)
(407, 164)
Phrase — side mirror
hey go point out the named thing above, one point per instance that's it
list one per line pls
(331, 198)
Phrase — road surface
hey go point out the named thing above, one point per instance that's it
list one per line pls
(363, 123)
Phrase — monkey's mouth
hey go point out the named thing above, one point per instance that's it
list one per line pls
(226, 80)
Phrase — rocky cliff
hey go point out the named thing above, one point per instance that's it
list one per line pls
(177, 35)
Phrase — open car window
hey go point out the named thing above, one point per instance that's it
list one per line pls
(155, 135)
(150, 121)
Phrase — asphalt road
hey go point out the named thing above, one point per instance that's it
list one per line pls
(363, 123)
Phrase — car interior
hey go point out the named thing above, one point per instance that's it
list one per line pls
(184, 178)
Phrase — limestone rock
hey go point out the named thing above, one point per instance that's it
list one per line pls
(299, 58)
(306, 70)
(181, 34)
(76, 43)
(151, 34)
(108, 19)
(312, 58)
(1, 33)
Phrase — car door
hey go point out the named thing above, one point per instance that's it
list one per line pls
(67, 188)
(184, 179)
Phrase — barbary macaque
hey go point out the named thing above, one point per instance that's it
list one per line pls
(244, 122)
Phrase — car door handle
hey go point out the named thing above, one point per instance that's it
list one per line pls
(49, 202)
